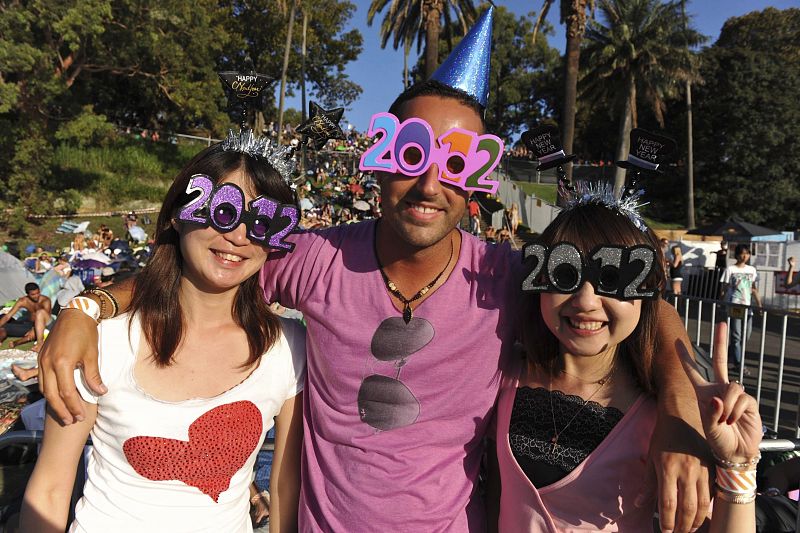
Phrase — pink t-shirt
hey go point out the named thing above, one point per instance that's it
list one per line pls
(395, 415)
(597, 496)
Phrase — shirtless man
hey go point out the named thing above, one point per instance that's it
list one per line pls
(38, 307)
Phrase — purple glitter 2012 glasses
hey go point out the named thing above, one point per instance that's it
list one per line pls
(222, 206)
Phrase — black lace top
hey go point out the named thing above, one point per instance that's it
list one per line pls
(531, 431)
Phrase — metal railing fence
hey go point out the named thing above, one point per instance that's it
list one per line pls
(769, 366)
(705, 283)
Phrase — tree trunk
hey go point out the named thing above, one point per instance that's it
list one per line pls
(432, 23)
(576, 26)
(285, 68)
(406, 50)
(690, 222)
(625, 125)
(260, 122)
(303, 87)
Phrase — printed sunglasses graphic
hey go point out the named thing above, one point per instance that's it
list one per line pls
(385, 402)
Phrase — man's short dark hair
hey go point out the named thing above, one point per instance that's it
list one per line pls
(742, 248)
(30, 287)
(436, 88)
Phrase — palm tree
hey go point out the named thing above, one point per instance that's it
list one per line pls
(406, 20)
(640, 50)
(285, 68)
(573, 14)
(401, 28)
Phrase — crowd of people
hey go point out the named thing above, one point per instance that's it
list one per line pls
(92, 259)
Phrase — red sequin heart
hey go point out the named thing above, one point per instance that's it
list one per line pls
(220, 441)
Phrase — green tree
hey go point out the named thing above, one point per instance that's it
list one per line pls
(42, 46)
(573, 15)
(138, 63)
(521, 76)
(641, 49)
(412, 14)
(259, 30)
(155, 65)
(399, 26)
(748, 121)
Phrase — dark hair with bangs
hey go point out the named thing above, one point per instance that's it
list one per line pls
(587, 227)
(155, 292)
(436, 88)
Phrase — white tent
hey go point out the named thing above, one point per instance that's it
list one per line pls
(13, 277)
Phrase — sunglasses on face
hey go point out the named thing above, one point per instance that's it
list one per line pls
(222, 206)
(620, 272)
(464, 158)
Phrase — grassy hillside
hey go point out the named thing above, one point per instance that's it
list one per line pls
(547, 192)
(129, 170)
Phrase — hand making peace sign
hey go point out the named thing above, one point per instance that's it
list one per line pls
(730, 416)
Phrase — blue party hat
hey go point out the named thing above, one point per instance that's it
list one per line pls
(467, 67)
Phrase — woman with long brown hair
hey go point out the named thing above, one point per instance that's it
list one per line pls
(196, 371)
(576, 415)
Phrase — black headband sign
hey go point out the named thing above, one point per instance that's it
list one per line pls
(244, 91)
(648, 151)
(615, 271)
(244, 86)
(545, 143)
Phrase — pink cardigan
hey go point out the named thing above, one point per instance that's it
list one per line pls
(597, 496)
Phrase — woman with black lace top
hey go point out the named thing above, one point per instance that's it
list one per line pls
(574, 420)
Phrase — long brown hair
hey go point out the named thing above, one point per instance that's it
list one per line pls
(589, 226)
(155, 292)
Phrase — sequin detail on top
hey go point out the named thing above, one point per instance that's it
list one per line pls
(531, 427)
(220, 441)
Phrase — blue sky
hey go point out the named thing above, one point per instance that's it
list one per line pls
(380, 71)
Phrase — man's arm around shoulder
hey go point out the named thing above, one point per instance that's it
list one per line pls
(73, 344)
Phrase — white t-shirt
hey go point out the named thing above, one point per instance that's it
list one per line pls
(179, 466)
(741, 281)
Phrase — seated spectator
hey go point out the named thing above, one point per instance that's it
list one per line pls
(63, 267)
(72, 288)
(38, 317)
(106, 277)
(490, 234)
(106, 235)
(44, 263)
(94, 243)
(78, 243)
(504, 236)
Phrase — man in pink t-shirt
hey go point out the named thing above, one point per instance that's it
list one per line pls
(395, 414)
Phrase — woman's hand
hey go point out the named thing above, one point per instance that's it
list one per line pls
(259, 508)
(730, 416)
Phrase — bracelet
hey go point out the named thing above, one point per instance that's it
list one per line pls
(736, 481)
(737, 466)
(103, 295)
(737, 498)
(85, 305)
